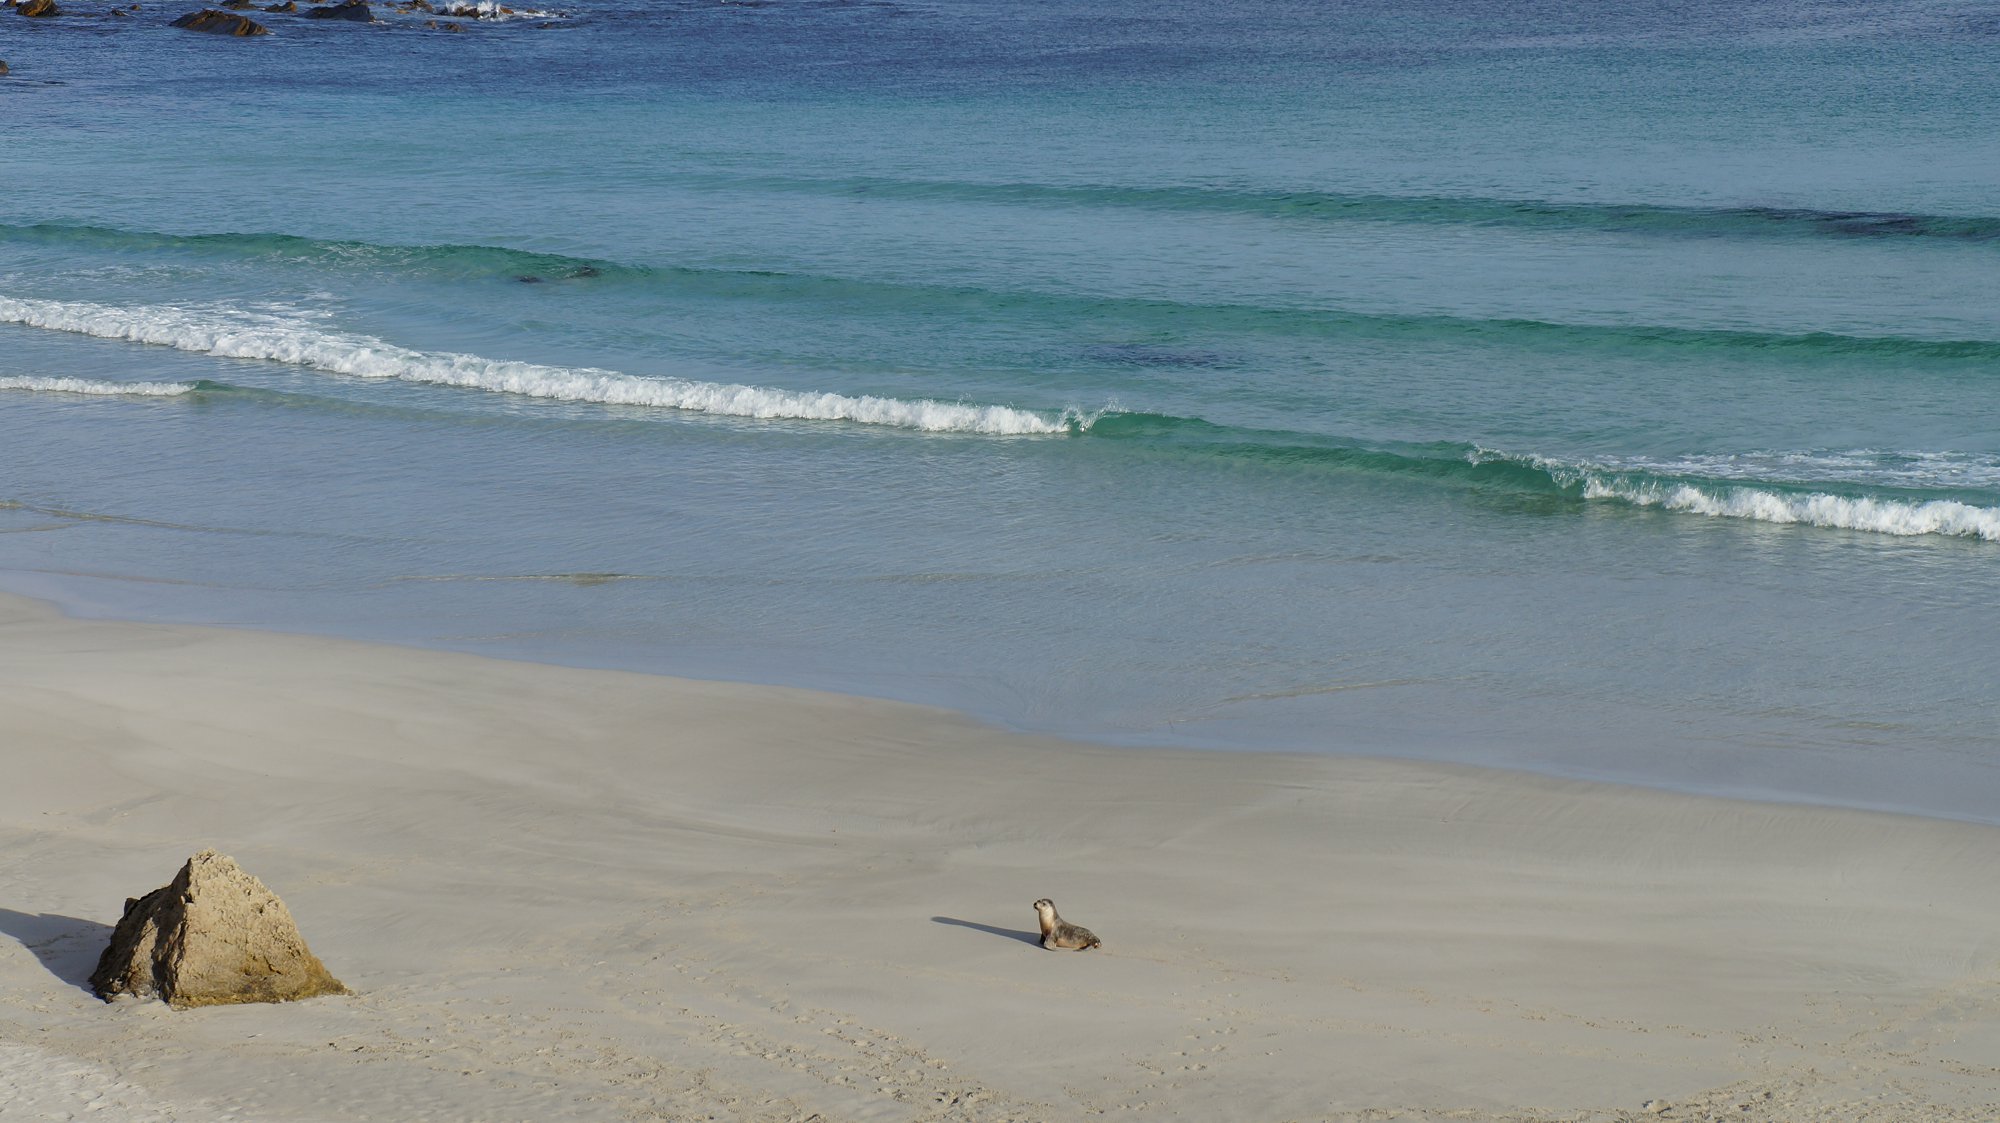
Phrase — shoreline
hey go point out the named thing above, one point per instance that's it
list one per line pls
(565, 893)
(60, 592)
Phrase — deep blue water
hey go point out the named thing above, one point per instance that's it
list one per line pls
(1601, 391)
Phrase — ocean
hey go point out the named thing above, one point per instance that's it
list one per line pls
(1601, 390)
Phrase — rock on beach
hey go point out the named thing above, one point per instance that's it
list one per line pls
(213, 936)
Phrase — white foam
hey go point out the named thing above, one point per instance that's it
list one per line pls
(1864, 466)
(494, 12)
(1614, 479)
(1882, 516)
(242, 336)
(99, 387)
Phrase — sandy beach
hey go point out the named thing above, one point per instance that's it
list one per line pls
(567, 894)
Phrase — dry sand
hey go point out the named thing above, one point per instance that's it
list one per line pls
(568, 894)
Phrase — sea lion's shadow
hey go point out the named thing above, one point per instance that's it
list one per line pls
(1034, 938)
(68, 946)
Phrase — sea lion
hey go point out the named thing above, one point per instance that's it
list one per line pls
(1058, 933)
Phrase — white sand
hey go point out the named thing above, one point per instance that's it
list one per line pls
(585, 895)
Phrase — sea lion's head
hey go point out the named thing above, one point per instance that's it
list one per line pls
(1045, 906)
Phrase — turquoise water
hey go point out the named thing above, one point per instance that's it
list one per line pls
(1607, 393)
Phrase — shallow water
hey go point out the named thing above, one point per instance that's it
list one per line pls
(1600, 392)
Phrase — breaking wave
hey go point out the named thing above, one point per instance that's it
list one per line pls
(496, 12)
(276, 339)
(1895, 493)
(1881, 516)
(100, 387)
(1789, 488)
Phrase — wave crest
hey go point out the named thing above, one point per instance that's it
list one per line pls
(1739, 495)
(480, 263)
(1778, 488)
(278, 340)
(1881, 516)
(98, 387)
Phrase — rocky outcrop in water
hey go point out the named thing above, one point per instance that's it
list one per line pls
(211, 937)
(220, 23)
(38, 9)
(356, 10)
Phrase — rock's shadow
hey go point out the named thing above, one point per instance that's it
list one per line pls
(1034, 938)
(68, 946)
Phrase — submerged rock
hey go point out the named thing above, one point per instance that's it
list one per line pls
(356, 10)
(287, 6)
(220, 23)
(212, 936)
(3, 66)
(38, 9)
